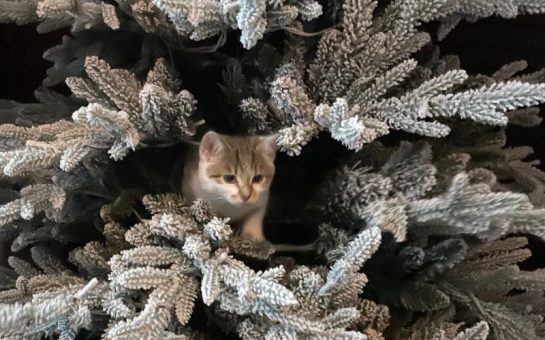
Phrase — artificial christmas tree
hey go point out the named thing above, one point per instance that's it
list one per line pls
(418, 234)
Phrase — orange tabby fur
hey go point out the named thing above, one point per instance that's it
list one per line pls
(233, 175)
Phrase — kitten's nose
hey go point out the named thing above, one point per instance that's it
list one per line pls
(245, 194)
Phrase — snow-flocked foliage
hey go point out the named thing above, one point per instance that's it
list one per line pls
(428, 239)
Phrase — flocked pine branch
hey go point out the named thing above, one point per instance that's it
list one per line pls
(357, 75)
(484, 287)
(203, 19)
(63, 312)
(467, 206)
(200, 254)
(34, 200)
(52, 15)
(113, 121)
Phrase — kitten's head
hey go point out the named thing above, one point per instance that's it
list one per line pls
(237, 169)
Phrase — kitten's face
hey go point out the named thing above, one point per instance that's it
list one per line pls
(238, 170)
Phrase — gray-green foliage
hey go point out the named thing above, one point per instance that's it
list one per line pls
(421, 230)
(203, 19)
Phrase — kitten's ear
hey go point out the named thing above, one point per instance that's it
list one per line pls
(210, 146)
(268, 145)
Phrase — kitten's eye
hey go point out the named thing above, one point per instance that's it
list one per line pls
(257, 178)
(229, 179)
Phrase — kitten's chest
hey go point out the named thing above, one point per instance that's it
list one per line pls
(192, 190)
(235, 213)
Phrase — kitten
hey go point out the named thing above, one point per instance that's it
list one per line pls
(233, 175)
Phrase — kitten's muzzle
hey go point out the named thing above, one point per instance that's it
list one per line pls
(245, 193)
(245, 197)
